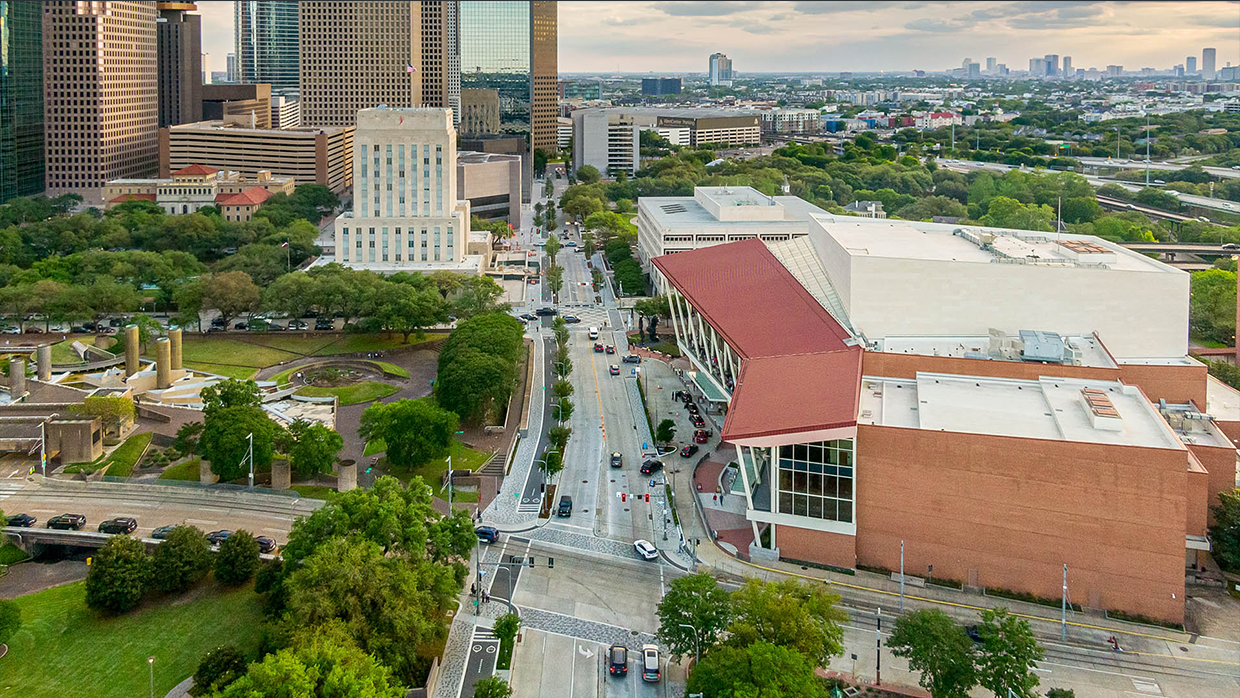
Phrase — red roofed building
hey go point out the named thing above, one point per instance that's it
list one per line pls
(239, 207)
(196, 186)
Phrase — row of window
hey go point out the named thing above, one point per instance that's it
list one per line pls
(356, 250)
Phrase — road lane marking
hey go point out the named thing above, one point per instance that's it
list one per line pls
(201, 521)
(275, 530)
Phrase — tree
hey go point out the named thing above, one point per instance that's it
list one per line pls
(475, 385)
(587, 174)
(790, 614)
(118, 576)
(552, 248)
(405, 309)
(1008, 655)
(230, 393)
(322, 662)
(218, 669)
(555, 280)
(187, 441)
(695, 600)
(1225, 533)
(551, 464)
(113, 412)
(588, 247)
(758, 670)
(937, 647)
(1010, 213)
(312, 448)
(237, 559)
(479, 294)
(1061, 693)
(582, 206)
(1212, 306)
(494, 333)
(558, 436)
(226, 440)
(181, 560)
(1081, 210)
(506, 627)
(415, 431)
(10, 619)
(230, 293)
(492, 687)
(665, 432)
(561, 389)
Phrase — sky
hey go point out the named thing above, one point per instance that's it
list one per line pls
(664, 36)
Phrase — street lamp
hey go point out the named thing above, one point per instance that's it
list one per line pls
(250, 457)
(43, 441)
(150, 663)
(697, 649)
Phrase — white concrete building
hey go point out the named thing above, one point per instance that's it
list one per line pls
(406, 215)
(611, 137)
(606, 139)
(285, 112)
(790, 121)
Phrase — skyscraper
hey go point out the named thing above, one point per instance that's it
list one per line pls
(1037, 67)
(1068, 72)
(1190, 65)
(1052, 65)
(21, 99)
(102, 113)
(232, 67)
(1207, 64)
(358, 55)
(719, 68)
(990, 65)
(265, 33)
(441, 56)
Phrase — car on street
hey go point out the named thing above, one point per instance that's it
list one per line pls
(324, 324)
(121, 525)
(162, 532)
(651, 466)
(487, 534)
(632, 359)
(609, 349)
(613, 370)
(598, 348)
(570, 243)
(275, 327)
(298, 325)
(646, 550)
(67, 522)
(529, 317)
(571, 319)
(1230, 246)
(217, 537)
(33, 330)
(688, 450)
(650, 664)
(566, 507)
(617, 460)
(592, 333)
(266, 544)
(700, 436)
(545, 312)
(21, 520)
(241, 325)
(618, 660)
(12, 330)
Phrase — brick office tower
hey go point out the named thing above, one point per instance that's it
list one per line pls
(179, 39)
(441, 56)
(101, 104)
(357, 55)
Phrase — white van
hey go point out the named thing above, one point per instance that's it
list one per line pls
(593, 333)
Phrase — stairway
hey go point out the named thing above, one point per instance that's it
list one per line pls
(497, 466)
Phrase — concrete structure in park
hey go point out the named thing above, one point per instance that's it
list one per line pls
(491, 183)
(406, 214)
(179, 41)
(191, 188)
(715, 216)
(979, 394)
(113, 133)
(306, 155)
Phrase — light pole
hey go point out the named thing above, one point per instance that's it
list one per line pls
(43, 441)
(697, 648)
(250, 457)
(1117, 143)
(1147, 149)
(150, 663)
(901, 576)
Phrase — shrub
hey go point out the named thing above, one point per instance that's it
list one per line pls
(181, 560)
(237, 559)
(118, 575)
(218, 668)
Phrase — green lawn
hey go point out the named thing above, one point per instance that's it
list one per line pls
(229, 352)
(63, 648)
(62, 353)
(373, 447)
(462, 458)
(283, 377)
(315, 491)
(1207, 343)
(125, 457)
(310, 346)
(184, 471)
(238, 372)
(365, 391)
(375, 342)
(392, 369)
(10, 554)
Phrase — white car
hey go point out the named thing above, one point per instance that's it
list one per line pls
(646, 550)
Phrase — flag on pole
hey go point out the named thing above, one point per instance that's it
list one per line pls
(284, 244)
(410, 69)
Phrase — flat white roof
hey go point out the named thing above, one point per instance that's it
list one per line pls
(877, 237)
(670, 212)
(1048, 408)
(471, 264)
(1222, 400)
(1085, 350)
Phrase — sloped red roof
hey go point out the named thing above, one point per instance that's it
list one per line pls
(195, 170)
(798, 371)
(250, 197)
(132, 197)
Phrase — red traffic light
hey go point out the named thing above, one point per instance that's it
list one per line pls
(647, 497)
(623, 497)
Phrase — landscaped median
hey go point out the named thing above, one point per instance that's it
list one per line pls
(121, 461)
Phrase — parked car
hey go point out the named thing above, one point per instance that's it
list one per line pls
(487, 534)
(700, 436)
(67, 522)
(266, 544)
(609, 349)
(12, 330)
(162, 532)
(241, 325)
(650, 664)
(22, 520)
(688, 450)
(618, 660)
(682, 395)
(275, 327)
(34, 330)
(646, 550)
(116, 322)
(566, 507)
(529, 317)
(217, 537)
(697, 421)
(617, 460)
(571, 319)
(121, 524)
(324, 324)
(298, 325)
(632, 359)
(598, 348)
(545, 312)
(651, 466)
(613, 370)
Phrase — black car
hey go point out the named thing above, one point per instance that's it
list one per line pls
(566, 506)
(542, 312)
(487, 534)
(528, 317)
(324, 324)
(22, 520)
(617, 460)
(67, 522)
(121, 524)
(571, 319)
(298, 325)
(688, 450)
(240, 325)
(651, 466)
(217, 537)
(265, 544)
(162, 532)
(618, 660)
(632, 359)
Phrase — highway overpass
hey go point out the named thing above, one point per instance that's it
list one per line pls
(1224, 172)
(1121, 205)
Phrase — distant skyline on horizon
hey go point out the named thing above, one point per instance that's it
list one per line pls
(861, 36)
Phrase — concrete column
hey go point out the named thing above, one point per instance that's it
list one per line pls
(17, 377)
(174, 336)
(281, 475)
(44, 357)
(163, 357)
(131, 350)
(204, 473)
(346, 477)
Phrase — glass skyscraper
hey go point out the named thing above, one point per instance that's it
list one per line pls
(21, 99)
(266, 44)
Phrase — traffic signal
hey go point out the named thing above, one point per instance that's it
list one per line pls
(550, 563)
(529, 561)
(624, 497)
(647, 497)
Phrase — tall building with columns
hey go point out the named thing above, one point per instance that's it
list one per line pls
(405, 209)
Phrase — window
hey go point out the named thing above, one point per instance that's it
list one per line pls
(816, 480)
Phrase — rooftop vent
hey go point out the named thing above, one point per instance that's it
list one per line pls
(1102, 412)
(673, 208)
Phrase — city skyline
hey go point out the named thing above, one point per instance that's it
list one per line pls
(862, 36)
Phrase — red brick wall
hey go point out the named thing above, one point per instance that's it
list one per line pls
(1221, 463)
(816, 546)
(1013, 511)
(1172, 383)
(875, 363)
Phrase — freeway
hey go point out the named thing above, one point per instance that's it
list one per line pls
(1225, 172)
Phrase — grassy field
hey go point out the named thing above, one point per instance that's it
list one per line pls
(184, 471)
(238, 372)
(62, 353)
(373, 447)
(10, 554)
(309, 346)
(365, 391)
(392, 368)
(463, 458)
(375, 342)
(315, 491)
(229, 352)
(63, 647)
(125, 457)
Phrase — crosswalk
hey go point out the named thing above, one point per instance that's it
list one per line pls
(481, 633)
(530, 505)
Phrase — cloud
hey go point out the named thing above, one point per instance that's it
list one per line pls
(1224, 21)
(831, 8)
(933, 24)
(704, 9)
(630, 22)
